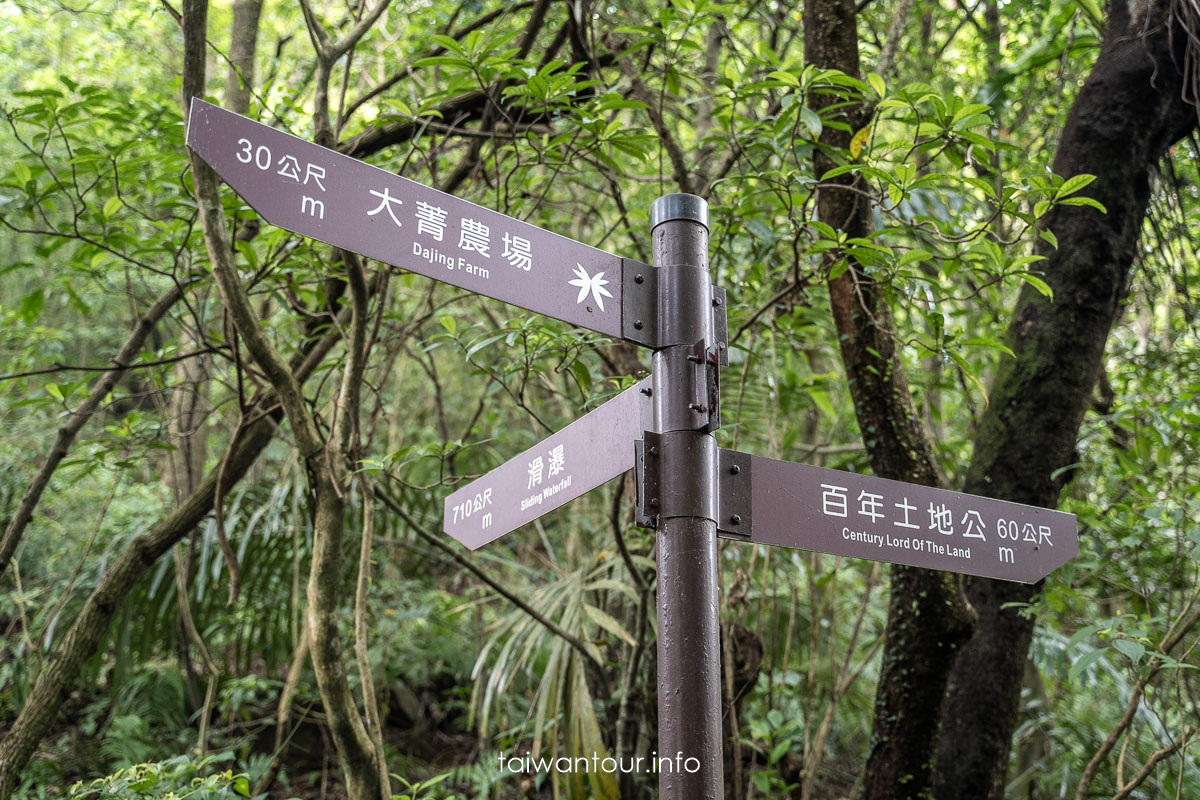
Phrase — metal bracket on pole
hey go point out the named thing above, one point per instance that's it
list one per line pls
(641, 303)
(712, 384)
(720, 326)
(647, 469)
(734, 520)
(733, 494)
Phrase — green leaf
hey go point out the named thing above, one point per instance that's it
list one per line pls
(784, 77)
(969, 111)
(31, 306)
(812, 121)
(242, 786)
(1133, 650)
(1083, 633)
(1084, 662)
(449, 323)
(583, 375)
(609, 624)
(1091, 10)
(1084, 201)
(876, 82)
(112, 207)
(913, 256)
(778, 751)
(1049, 236)
(54, 391)
(985, 342)
(822, 402)
(1072, 185)
(21, 172)
(842, 170)
(1038, 284)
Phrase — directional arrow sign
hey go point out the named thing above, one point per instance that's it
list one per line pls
(589, 452)
(325, 195)
(796, 505)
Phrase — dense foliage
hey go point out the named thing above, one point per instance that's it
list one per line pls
(573, 117)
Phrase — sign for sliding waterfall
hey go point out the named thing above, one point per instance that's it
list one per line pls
(847, 514)
(589, 452)
(320, 193)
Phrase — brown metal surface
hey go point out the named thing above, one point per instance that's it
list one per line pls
(316, 192)
(800, 506)
(590, 451)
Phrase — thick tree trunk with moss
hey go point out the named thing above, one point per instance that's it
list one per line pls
(1126, 116)
(927, 617)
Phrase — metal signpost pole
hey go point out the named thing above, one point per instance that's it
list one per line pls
(689, 651)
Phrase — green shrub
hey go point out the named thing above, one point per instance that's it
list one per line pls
(179, 778)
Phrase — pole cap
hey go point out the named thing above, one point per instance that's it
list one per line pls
(679, 206)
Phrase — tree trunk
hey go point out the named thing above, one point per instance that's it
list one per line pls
(927, 617)
(1127, 114)
(325, 460)
(243, 44)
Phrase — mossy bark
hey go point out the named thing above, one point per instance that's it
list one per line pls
(1127, 114)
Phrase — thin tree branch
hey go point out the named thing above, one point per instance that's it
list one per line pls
(494, 585)
(75, 422)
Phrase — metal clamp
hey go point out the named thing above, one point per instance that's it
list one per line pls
(640, 310)
(662, 494)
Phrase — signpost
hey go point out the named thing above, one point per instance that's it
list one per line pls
(846, 514)
(689, 490)
(589, 452)
(322, 194)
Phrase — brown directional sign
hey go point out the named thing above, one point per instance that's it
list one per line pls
(590, 451)
(843, 513)
(325, 195)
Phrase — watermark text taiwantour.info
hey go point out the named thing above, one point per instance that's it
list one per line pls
(597, 764)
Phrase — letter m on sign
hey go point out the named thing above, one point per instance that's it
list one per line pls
(312, 207)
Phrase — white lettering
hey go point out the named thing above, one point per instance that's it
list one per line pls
(312, 207)
(869, 505)
(431, 220)
(289, 167)
(905, 507)
(940, 519)
(518, 252)
(833, 500)
(385, 202)
(557, 460)
(474, 237)
(535, 472)
(971, 519)
(316, 173)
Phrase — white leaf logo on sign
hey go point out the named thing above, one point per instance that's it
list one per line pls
(593, 284)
